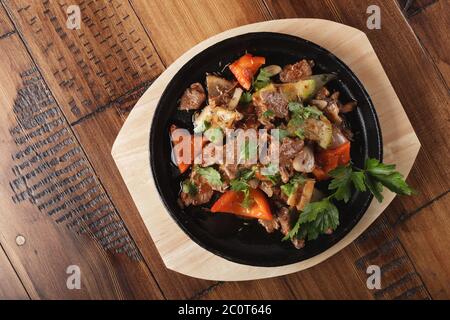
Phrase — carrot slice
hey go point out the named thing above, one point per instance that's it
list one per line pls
(330, 159)
(231, 202)
(245, 68)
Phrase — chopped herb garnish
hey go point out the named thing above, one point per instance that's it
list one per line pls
(189, 187)
(317, 218)
(280, 134)
(299, 111)
(246, 97)
(241, 184)
(203, 126)
(214, 134)
(292, 185)
(248, 150)
(210, 174)
(268, 114)
(262, 80)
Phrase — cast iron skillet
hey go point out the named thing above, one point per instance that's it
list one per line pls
(233, 238)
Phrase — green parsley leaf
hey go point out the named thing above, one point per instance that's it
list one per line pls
(248, 150)
(214, 134)
(292, 185)
(238, 185)
(268, 114)
(189, 187)
(280, 134)
(210, 174)
(287, 189)
(358, 179)
(374, 187)
(302, 112)
(300, 132)
(342, 183)
(203, 126)
(295, 107)
(313, 112)
(241, 184)
(386, 175)
(271, 172)
(262, 80)
(246, 97)
(246, 174)
(317, 218)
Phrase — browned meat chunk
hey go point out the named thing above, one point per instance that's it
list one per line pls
(230, 170)
(322, 93)
(270, 225)
(202, 195)
(267, 187)
(289, 148)
(193, 97)
(297, 71)
(348, 107)
(273, 101)
(199, 192)
(220, 90)
(286, 218)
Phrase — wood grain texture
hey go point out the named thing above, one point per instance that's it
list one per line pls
(413, 7)
(10, 285)
(175, 26)
(6, 27)
(429, 26)
(342, 276)
(52, 197)
(426, 239)
(87, 68)
(130, 150)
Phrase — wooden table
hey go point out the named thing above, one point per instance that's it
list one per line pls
(66, 93)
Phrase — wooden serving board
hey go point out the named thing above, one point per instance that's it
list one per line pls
(131, 149)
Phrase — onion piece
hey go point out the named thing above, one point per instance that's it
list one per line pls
(272, 70)
(338, 138)
(304, 160)
(235, 99)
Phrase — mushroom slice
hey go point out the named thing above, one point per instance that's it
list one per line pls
(304, 160)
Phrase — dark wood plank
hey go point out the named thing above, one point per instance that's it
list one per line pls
(413, 7)
(87, 68)
(431, 26)
(6, 26)
(124, 38)
(52, 197)
(176, 26)
(10, 285)
(426, 239)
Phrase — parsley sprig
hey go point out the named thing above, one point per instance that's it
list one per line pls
(241, 184)
(211, 175)
(322, 216)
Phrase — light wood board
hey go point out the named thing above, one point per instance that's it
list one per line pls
(131, 149)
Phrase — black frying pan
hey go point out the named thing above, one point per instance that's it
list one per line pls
(233, 238)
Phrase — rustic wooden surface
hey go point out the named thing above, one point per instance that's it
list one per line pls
(130, 149)
(85, 81)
